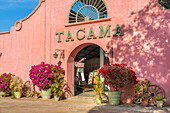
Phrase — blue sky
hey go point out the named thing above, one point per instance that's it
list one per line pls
(13, 10)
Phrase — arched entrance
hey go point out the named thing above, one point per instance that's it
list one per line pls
(83, 62)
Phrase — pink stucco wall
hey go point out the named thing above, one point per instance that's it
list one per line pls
(144, 46)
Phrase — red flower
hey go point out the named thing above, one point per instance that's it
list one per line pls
(118, 72)
(109, 72)
(115, 73)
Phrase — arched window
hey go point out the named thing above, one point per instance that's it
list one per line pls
(86, 10)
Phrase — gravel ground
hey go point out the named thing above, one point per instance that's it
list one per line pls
(71, 105)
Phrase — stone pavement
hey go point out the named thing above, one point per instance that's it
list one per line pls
(77, 104)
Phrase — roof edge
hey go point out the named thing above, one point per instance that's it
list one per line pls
(6, 32)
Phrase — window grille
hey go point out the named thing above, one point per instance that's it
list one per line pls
(87, 10)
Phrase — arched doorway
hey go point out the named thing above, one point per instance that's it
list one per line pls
(86, 63)
(70, 70)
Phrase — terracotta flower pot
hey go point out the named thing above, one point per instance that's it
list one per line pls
(145, 103)
(35, 96)
(129, 100)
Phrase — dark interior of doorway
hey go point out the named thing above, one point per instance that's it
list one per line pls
(87, 61)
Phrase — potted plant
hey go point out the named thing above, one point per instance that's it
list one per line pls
(127, 99)
(57, 86)
(98, 90)
(2, 94)
(35, 95)
(145, 101)
(160, 101)
(117, 76)
(42, 75)
(5, 80)
(142, 89)
(16, 86)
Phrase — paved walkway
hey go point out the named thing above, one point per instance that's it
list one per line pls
(76, 104)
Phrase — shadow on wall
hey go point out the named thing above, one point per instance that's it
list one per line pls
(67, 92)
(145, 45)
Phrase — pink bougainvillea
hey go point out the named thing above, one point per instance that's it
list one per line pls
(43, 75)
(5, 80)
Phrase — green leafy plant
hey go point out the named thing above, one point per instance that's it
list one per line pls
(160, 98)
(137, 98)
(16, 84)
(35, 93)
(142, 88)
(58, 85)
(99, 92)
(145, 97)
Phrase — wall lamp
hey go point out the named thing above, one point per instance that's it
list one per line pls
(59, 51)
(164, 3)
(106, 54)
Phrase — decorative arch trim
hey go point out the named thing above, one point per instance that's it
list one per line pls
(18, 24)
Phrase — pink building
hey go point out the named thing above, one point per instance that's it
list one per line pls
(77, 29)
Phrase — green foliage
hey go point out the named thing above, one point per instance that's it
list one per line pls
(160, 98)
(99, 92)
(3, 94)
(16, 84)
(145, 97)
(142, 87)
(58, 85)
(35, 93)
